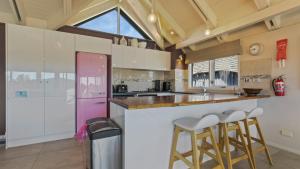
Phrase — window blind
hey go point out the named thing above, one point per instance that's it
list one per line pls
(215, 52)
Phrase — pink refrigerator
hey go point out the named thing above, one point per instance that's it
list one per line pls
(91, 94)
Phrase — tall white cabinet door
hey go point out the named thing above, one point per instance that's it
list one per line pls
(59, 64)
(59, 116)
(25, 118)
(25, 102)
(59, 83)
(24, 61)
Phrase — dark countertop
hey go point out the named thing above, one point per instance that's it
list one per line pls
(178, 100)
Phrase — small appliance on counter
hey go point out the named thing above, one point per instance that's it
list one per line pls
(103, 144)
(156, 85)
(121, 88)
(166, 86)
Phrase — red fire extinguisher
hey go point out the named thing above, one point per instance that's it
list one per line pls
(279, 86)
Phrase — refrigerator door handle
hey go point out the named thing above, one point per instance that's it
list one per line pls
(100, 102)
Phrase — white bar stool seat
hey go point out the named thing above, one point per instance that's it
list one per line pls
(199, 129)
(232, 116)
(255, 113)
(196, 124)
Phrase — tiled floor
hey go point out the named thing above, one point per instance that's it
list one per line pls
(67, 154)
(63, 154)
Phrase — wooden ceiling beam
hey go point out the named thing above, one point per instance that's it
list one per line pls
(170, 21)
(67, 5)
(243, 22)
(140, 11)
(19, 13)
(205, 12)
(271, 23)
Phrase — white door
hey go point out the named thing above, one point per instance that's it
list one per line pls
(25, 99)
(59, 74)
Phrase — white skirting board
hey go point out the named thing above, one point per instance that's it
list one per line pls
(283, 147)
(22, 142)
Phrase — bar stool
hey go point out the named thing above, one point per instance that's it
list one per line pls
(229, 121)
(252, 120)
(200, 129)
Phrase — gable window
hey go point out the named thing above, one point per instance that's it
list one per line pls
(108, 22)
(221, 72)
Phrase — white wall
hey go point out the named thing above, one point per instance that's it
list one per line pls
(280, 112)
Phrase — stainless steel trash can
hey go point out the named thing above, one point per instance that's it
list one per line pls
(103, 144)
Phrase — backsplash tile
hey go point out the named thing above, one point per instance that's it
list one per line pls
(137, 80)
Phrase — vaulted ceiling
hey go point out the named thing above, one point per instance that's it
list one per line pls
(181, 22)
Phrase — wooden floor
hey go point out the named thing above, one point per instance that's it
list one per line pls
(67, 154)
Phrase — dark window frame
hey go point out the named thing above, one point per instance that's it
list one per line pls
(125, 16)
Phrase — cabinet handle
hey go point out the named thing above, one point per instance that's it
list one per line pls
(100, 102)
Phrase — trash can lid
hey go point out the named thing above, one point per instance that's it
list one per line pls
(102, 128)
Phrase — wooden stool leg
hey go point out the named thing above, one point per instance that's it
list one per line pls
(195, 151)
(216, 148)
(263, 141)
(227, 145)
(174, 146)
(202, 147)
(245, 146)
(248, 136)
(221, 139)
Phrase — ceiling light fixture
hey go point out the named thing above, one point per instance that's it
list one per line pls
(152, 18)
(207, 32)
(172, 32)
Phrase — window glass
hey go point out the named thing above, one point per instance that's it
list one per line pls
(222, 72)
(128, 30)
(200, 74)
(106, 22)
(226, 71)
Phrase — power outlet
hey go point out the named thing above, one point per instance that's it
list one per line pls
(286, 133)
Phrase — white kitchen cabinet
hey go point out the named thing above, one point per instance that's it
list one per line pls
(59, 79)
(138, 58)
(59, 115)
(117, 53)
(92, 44)
(40, 85)
(24, 61)
(59, 70)
(25, 88)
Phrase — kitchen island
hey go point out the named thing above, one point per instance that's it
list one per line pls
(147, 123)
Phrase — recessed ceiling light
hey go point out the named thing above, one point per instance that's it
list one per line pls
(172, 32)
(207, 32)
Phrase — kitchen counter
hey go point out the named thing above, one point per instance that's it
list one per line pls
(177, 100)
(147, 123)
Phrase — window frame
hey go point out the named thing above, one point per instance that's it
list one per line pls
(211, 76)
(125, 16)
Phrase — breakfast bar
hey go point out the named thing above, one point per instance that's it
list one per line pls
(147, 123)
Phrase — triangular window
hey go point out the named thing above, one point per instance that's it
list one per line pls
(108, 22)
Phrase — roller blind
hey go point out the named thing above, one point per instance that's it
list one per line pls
(215, 52)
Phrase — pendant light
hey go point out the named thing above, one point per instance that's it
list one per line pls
(152, 18)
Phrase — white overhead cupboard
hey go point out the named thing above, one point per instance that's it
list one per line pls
(138, 58)
(41, 83)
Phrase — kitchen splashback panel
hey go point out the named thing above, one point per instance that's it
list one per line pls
(137, 80)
